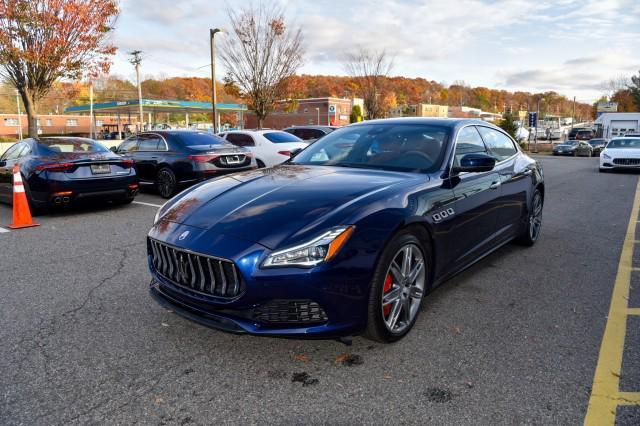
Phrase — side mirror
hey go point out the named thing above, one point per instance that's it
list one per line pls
(474, 163)
(3, 163)
(114, 149)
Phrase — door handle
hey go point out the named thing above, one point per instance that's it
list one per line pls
(495, 185)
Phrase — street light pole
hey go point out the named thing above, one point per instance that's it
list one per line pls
(136, 60)
(19, 115)
(214, 98)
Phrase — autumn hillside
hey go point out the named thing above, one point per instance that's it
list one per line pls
(397, 91)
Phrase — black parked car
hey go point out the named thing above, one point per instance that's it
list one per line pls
(310, 133)
(573, 148)
(63, 170)
(171, 159)
(597, 145)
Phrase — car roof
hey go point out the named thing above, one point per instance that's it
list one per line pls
(452, 123)
(260, 131)
(313, 127)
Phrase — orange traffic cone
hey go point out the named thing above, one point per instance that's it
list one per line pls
(21, 214)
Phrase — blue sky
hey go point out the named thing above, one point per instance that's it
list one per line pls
(568, 46)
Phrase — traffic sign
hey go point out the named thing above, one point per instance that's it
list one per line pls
(533, 119)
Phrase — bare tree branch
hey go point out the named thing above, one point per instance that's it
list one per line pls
(369, 69)
(260, 54)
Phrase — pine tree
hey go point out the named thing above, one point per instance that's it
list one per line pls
(509, 125)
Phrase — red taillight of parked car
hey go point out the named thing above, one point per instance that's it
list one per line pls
(128, 163)
(287, 153)
(203, 158)
(55, 167)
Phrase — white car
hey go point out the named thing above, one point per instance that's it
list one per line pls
(269, 147)
(621, 153)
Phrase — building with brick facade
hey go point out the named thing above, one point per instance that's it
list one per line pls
(310, 111)
(60, 124)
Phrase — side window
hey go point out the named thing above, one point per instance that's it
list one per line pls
(129, 145)
(148, 143)
(13, 152)
(315, 134)
(500, 145)
(240, 139)
(469, 142)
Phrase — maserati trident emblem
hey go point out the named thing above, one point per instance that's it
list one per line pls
(182, 267)
(184, 235)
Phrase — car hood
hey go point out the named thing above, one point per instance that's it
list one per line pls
(564, 146)
(623, 152)
(270, 206)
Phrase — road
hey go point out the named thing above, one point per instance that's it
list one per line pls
(513, 340)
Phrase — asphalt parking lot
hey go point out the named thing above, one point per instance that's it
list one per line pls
(515, 339)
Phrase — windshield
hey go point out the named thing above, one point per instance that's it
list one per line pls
(624, 143)
(281, 137)
(569, 143)
(596, 142)
(77, 145)
(400, 147)
(198, 138)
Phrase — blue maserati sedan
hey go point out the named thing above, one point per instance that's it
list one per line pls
(61, 171)
(348, 236)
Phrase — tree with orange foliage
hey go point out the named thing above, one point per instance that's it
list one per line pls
(42, 41)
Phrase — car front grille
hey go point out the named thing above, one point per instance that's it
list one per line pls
(232, 161)
(627, 161)
(196, 272)
(290, 312)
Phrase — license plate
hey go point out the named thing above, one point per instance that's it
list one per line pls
(100, 169)
(233, 159)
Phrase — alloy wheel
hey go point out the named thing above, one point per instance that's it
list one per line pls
(535, 217)
(166, 183)
(403, 288)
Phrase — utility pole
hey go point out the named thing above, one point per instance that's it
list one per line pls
(91, 133)
(136, 60)
(573, 117)
(214, 98)
(19, 115)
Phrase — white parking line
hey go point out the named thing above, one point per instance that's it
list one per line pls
(147, 204)
(3, 230)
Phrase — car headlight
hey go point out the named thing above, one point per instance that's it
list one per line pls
(320, 249)
(605, 156)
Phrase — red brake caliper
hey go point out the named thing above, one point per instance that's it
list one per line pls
(388, 282)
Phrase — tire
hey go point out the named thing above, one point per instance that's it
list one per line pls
(534, 221)
(166, 182)
(575, 153)
(261, 165)
(34, 208)
(406, 304)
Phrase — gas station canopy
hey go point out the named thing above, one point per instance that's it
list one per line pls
(153, 106)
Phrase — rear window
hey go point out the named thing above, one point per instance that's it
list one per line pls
(281, 137)
(198, 138)
(70, 145)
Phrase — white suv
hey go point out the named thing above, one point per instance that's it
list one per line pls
(269, 147)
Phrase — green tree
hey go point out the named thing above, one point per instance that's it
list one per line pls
(634, 88)
(356, 114)
(509, 125)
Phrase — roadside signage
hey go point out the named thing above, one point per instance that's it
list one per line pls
(332, 108)
(533, 119)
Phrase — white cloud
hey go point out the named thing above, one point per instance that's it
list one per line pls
(517, 44)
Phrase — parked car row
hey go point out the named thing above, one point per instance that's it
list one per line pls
(60, 171)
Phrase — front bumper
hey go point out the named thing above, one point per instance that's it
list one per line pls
(327, 301)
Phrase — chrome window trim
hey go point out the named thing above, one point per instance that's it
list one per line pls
(455, 144)
(166, 145)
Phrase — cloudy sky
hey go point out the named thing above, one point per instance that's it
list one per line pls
(564, 45)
